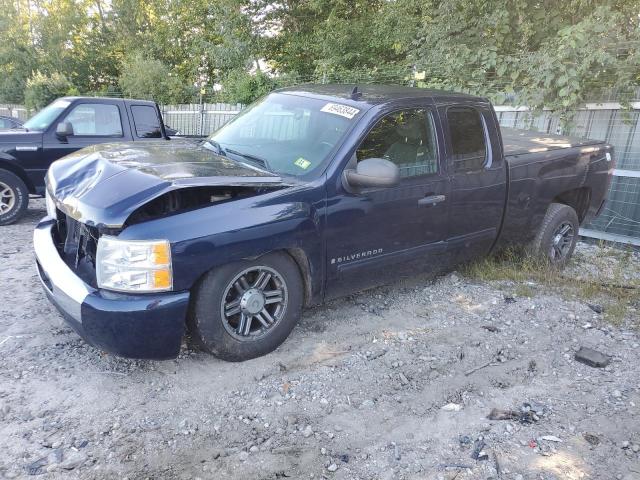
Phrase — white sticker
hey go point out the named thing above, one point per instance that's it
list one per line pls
(342, 110)
(608, 155)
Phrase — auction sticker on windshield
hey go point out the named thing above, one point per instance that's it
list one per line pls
(342, 110)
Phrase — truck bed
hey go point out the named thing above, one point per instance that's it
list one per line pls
(519, 142)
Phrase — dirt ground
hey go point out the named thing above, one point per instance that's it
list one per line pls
(380, 385)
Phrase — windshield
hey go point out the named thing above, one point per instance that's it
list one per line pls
(44, 118)
(286, 134)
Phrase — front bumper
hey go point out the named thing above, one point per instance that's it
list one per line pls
(136, 326)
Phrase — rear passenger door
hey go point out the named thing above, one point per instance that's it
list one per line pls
(376, 234)
(478, 178)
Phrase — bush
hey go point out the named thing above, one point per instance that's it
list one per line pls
(244, 87)
(148, 78)
(41, 89)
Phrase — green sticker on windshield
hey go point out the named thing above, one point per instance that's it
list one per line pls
(303, 163)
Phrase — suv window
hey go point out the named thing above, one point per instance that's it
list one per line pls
(95, 120)
(407, 138)
(466, 131)
(146, 121)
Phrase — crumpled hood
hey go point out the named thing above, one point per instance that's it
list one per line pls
(102, 185)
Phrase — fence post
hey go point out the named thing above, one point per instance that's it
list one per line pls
(201, 125)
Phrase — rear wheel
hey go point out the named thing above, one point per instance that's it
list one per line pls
(558, 235)
(14, 197)
(247, 309)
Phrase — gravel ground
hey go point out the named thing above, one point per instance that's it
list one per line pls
(379, 385)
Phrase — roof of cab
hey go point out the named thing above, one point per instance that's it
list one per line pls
(108, 100)
(372, 94)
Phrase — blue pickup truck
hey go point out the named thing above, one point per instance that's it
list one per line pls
(66, 125)
(309, 194)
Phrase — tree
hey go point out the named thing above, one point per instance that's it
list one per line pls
(240, 86)
(320, 37)
(42, 89)
(143, 77)
(537, 53)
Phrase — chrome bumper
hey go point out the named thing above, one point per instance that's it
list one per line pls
(65, 288)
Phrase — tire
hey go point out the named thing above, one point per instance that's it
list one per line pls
(217, 312)
(556, 239)
(14, 197)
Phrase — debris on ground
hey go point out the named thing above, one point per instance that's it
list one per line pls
(478, 452)
(591, 438)
(596, 307)
(592, 357)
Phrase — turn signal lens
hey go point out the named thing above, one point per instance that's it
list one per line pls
(161, 279)
(161, 254)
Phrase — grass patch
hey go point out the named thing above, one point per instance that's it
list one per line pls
(612, 292)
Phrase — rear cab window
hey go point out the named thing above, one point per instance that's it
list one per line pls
(146, 121)
(468, 140)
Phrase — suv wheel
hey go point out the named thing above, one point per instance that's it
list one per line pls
(247, 309)
(14, 197)
(558, 235)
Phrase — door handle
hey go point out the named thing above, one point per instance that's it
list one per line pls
(431, 200)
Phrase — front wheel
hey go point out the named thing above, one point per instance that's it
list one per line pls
(14, 197)
(557, 236)
(247, 309)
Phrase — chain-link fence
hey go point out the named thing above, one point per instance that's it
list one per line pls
(201, 119)
(620, 218)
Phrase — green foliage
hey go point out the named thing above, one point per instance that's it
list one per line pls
(42, 89)
(240, 86)
(538, 53)
(321, 37)
(148, 78)
(551, 54)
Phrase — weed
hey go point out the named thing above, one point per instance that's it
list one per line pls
(612, 292)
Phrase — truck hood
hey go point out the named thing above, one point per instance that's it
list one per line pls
(104, 184)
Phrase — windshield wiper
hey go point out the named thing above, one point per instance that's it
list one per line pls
(217, 148)
(259, 160)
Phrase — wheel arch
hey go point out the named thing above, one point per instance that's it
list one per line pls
(302, 261)
(578, 198)
(6, 164)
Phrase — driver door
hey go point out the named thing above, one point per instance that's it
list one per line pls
(376, 235)
(92, 123)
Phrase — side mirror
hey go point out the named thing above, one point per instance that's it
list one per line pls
(373, 172)
(64, 130)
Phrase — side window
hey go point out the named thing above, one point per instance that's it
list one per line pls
(467, 139)
(146, 121)
(5, 123)
(407, 138)
(95, 120)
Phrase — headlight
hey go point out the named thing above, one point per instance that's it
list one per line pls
(51, 205)
(134, 265)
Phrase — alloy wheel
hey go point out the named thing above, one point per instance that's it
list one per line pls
(7, 198)
(254, 302)
(561, 241)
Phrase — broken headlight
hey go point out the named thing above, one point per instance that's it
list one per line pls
(134, 265)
